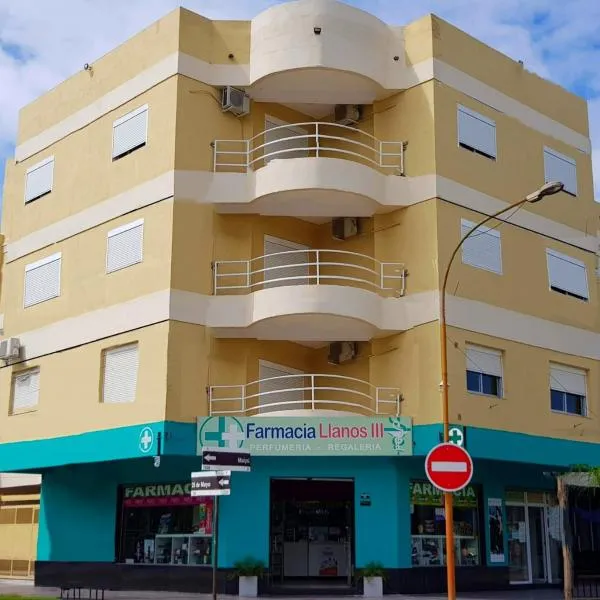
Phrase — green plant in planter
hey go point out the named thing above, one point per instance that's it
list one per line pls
(249, 567)
(372, 569)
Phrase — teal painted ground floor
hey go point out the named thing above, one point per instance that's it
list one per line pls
(112, 513)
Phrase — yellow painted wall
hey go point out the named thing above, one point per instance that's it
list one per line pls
(519, 167)
(526, 403)
(458, 49)
(524, 286)
(85, 285)
(60, 412)
(418, 40)
(83, 162)
(141, 52)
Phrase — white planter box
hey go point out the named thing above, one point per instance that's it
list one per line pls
(373, 587)
(248, 587)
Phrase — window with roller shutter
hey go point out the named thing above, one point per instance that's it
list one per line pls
(276, 136)
(280, 385)
(130, 132)
(476, 132)
(42, 280)
(558, 167)
(39, 179)
(125, 246)
(25, 390)
(568, 390)
(285, 263)
(120, 373)
(483, 249)
(567, 275)
(484, 371)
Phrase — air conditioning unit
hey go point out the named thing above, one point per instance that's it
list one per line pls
(344, 227)
(346, 114)
(341, 352)
(235, 101)
(10, 348)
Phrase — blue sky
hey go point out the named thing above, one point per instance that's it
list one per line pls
(44, 42)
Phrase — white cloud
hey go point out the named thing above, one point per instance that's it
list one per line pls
(42, 43)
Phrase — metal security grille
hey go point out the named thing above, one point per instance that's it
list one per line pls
(125, 246)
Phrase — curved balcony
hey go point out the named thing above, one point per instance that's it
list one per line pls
(301, 395)
(309, 295)
(310, 169)
(323, 50)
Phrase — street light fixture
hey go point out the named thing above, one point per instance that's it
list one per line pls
(548, 189)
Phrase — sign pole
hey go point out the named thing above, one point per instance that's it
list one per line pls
(215, 546)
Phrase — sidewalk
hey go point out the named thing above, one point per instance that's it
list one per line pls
(26, 588)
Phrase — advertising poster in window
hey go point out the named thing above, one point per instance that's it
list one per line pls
(496, 530)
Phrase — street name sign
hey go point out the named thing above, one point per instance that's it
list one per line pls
(223, 458)
(449, 467)
(211, 483)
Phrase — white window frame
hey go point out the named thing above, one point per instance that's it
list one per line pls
(475, 115)
(575, 371)
(40, 263)
(123, 229)
(564, 158)
(114, 349)
(123, 119)
(573, 261)
(482, 230)
(497, 354)
(33, 168)
(25, 372)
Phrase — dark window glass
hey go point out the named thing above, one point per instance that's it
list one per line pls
(557, 400)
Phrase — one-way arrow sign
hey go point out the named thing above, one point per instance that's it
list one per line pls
(211, 483)
(222, 458)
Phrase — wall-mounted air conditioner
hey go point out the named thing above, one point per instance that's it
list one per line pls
(346, 114)
(344, 227)
(341, 352)
(235, 101)
(10, 348)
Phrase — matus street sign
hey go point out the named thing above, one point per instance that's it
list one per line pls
(224, 458)
(211, 483)
(449, 467)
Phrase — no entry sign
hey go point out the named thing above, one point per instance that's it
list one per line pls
(449, 467)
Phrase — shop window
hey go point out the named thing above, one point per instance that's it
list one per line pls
(164, 524)
(428, 526)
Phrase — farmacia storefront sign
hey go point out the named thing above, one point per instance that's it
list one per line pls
(311, 436)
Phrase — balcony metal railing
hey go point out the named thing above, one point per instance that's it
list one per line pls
(304, 391)
(320, 140)
(308, 267)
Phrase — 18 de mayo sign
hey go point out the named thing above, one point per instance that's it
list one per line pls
(310, 436)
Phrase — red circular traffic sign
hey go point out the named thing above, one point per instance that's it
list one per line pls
(449, 467)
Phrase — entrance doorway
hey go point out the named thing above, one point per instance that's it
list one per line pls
(312, 532)
(534, 537)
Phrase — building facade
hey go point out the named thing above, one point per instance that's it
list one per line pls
(233, 234)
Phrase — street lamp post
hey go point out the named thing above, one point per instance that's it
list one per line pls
(548, 189)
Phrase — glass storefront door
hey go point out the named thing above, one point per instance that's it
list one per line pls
(534, 538)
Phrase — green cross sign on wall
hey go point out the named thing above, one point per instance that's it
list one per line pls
(456, 435)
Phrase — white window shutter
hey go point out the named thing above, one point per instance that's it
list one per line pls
(287, 148)
(130, 131)
(26, 389)
(42, 280)
(567, 274)
(125, 246)
(120, 374)
(568, 379)
(275, 263)
(39, 179)
(271, 391)
(476, 131)
(484, 360)
(483, 249)
(558, 167)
